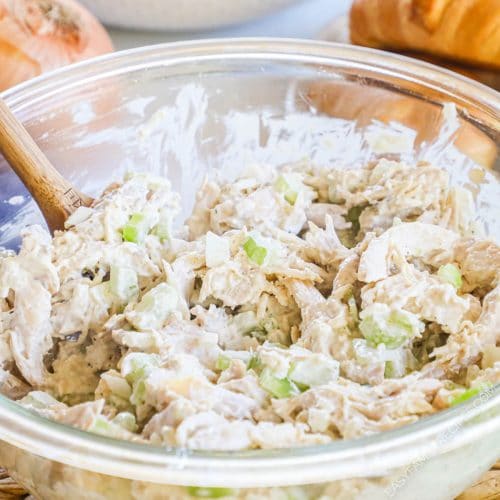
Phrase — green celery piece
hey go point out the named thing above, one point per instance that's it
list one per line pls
(123, 282)
(126, 420)
(254, 252)
(222, 363)
(281, 185)
(451, 274)
(135, 229)
(138, 395)
(255, 364)
(291, 197)
(202, 492)
(397, 333)
(468, 394)
(142, 364)
(277, 387)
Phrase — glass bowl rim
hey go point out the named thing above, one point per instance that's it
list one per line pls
(55, 441)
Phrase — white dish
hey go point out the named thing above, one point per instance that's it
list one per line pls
(179, 15)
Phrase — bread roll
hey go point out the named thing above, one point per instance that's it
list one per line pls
(464, 30)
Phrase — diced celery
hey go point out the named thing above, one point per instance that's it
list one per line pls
(291, 197)
(138, 396)
(314, 371)
(136, 229)
(381, 325)
(289, 185)
(138, 365)
(126, 420)
(38, 400)
(104, 427)
(154, 307)
(255, 364)
(469, 394)
(277, 387)
(123, 283)
(163, 226)
(202, 492)
(281, 185)
(390, 370)
(216, 250)
(222, 363)
(451, 274)
(255, 252)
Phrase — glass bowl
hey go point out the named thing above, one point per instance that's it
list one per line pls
(183, 109)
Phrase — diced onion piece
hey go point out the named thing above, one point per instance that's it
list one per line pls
(80, 215)
(216, 250)
(136, 229)
(101, 293)
(154, 308)
(451, 274)
(255, 252)
(314, 371)
(277, 387)
(117, 385)
(381, 325)
(123, 283)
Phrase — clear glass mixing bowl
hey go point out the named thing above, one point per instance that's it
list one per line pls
(183, 109)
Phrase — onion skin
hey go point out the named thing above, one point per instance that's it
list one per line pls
(41, 35)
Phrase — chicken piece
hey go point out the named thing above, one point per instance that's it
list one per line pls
(389, 189)
(324, 246)
(317, 214)
(253, 201)
(422, 294)
(210, 431)
(324, 327)
(347, 409)
(411, 240)
(479, 262)
(234, 284)
(29, 327)
(465, 347)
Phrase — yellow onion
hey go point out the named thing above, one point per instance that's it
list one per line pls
(40, 35)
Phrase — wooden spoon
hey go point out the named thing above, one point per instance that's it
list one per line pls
(55, 196)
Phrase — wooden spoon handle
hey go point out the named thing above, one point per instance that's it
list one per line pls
(55, 196)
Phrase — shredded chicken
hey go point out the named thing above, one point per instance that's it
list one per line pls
(294, 308)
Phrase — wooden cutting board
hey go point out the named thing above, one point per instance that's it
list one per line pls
(488, 488)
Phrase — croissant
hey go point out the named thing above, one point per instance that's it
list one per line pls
(465, 30)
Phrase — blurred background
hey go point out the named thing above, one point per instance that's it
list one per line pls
(284, 18)
(40, 35)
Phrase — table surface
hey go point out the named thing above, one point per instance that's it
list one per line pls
(303, 20)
